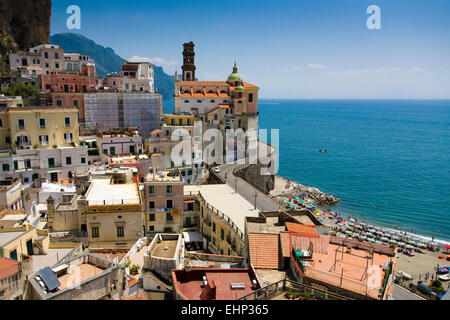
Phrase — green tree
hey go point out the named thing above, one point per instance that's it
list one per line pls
(24, 90)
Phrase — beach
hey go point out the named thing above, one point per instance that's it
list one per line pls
(418, 266)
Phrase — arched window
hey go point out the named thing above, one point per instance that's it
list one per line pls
(213, 101)
(75, 67)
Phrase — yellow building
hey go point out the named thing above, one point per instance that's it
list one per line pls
(38, 127)
(181, 119)
(111, 214)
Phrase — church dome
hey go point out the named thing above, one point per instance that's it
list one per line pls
(235, 77)
(239, 88)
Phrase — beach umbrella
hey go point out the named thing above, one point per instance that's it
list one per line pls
(340, 218)
(352, 220)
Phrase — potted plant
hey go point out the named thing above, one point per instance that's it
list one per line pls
(134, 269)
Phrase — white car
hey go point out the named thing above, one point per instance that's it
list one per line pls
(217, 170)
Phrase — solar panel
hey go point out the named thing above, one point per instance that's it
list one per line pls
(49, 278)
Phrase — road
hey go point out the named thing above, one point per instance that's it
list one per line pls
(263, 203)
(400, 293)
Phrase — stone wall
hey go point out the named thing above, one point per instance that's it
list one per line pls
(252, 174)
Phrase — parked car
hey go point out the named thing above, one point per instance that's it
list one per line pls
(409, 253)
(217, 170)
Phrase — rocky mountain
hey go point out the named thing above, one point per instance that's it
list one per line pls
(23, 24)
(107, 61)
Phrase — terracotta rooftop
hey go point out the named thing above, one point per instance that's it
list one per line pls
(189, 284)
(285, 244)
(305, 230)
(8, 267)
(264, 250)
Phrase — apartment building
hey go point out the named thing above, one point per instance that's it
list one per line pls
(164, 201)
(40, 142)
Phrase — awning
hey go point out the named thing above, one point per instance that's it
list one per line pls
(54, 171)
(189, 201)
(192, 237)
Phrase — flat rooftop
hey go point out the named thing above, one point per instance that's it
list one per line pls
(163, 176)
(7, 237)
(357, 265)
(165, 249)
(223, 198)
(52, 257)
(102, 191)
(271, 226)
(80, 272)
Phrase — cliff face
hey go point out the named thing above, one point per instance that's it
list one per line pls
(24, 24)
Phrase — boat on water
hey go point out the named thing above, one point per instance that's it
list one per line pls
(442, 270)
(444, 277)
(323, 150)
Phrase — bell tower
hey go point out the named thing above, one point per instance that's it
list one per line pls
(188, 67)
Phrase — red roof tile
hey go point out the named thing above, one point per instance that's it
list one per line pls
(264, 250)
(285, 241)
(305, 230)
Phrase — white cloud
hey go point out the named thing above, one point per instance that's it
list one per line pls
(316, 66)
(371, 71)
(168, 66)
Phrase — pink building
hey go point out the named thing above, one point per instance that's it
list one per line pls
(69, 82)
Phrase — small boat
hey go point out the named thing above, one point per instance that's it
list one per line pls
(442, 270)
(444, 277)
(323, 150)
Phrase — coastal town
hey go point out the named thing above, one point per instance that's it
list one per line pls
(94, 205)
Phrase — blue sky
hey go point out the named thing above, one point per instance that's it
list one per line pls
(290, 48)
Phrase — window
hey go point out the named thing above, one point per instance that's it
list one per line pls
(16, 165)
(42, 123)
(1, 123)
(56, 55)
(214, 227)
(151, 228)
(151, 205)
(24, 62)
(169, 204)
(56, 65)
(250, 97)
(75, 103)
(68, 161)
(67, 121)
(21, 124)
(151, 189)
(120, 232)
(83, 160)
(68, 137)
(43, 140)
(181, 122)
(222, 234)
(169, 216)
(189, 122)
(58, 103)
(8, 140)
(168, 189)
(151, 217)
(51, 162)
(28, 163)
(46, 55)
(95, 233)
(5, 167)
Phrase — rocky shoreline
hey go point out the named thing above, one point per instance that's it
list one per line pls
(311, 194)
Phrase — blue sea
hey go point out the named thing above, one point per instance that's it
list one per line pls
(387, 160)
